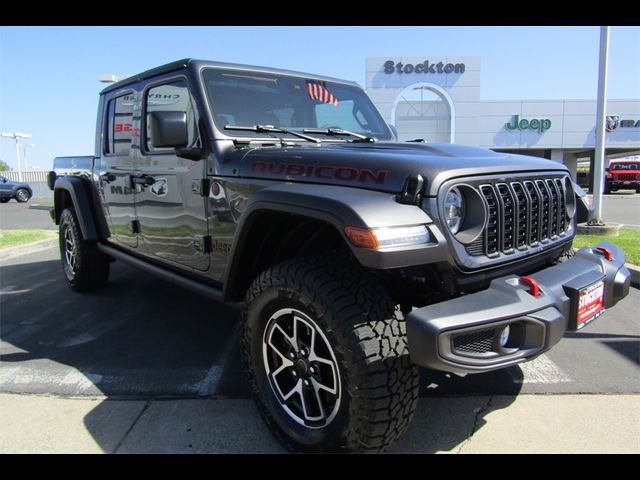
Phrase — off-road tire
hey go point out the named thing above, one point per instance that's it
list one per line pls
(90, 269)
(379, 384)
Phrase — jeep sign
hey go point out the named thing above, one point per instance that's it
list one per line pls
(541, 125)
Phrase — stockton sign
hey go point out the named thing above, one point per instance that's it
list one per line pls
(425, 67)
(539, 124)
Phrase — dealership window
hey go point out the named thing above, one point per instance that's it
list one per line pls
(120, 130)
(173, 97)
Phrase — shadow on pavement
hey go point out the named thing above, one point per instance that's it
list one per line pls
(137, 336)
(628, 346)
(141, 342)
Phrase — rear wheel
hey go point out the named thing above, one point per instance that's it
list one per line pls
(327, 359)
(22, 195)
(85, 267)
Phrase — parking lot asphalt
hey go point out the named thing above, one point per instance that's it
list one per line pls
(14, 215)
(142, 337)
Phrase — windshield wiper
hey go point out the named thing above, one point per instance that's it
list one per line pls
(272, 129)
(340, 131)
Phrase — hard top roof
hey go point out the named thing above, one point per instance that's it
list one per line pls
(197, 64)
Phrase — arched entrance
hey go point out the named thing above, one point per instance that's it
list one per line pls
(424, 110)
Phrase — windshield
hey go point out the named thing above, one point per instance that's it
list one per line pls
(241, 98)
(625, 166)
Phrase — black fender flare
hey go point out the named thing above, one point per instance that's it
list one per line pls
(339, 207)
(79, 190)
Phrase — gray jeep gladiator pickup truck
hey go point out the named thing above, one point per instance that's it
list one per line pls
(358, 258)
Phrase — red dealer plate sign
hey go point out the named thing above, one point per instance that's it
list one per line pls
(590, 303)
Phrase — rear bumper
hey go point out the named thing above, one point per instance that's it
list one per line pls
(463, 334)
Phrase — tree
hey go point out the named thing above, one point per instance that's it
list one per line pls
(4, 167)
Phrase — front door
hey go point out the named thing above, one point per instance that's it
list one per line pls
(117, 166)
(170, 208)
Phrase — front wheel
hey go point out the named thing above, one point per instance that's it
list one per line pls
(22, 195)
(327, 359)
(85, 267)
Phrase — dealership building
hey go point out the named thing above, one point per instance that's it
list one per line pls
(438, 99)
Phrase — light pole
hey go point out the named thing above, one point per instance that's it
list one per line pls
(24, 153)
(598, 166)
(16, 136)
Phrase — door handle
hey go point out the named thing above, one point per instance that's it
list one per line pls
(144, 180)
(107, 177)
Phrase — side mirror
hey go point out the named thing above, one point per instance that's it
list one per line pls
(168, 129)
(584, 209)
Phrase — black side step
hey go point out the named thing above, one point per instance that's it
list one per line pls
(177, 279)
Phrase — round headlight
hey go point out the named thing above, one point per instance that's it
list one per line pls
(454, 209)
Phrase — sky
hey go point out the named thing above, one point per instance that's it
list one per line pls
(49, 86)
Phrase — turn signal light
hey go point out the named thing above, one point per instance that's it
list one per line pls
(361, 237)
(388, 237)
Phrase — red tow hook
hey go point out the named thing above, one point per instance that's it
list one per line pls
(532, 283)
(606, 252)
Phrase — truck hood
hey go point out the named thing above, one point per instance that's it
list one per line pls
(382, 166)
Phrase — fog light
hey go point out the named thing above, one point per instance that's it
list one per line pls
(504, 336)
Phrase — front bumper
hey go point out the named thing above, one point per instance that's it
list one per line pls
(620, 184)
(462, 335)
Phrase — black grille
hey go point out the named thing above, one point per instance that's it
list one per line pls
(521, 215)
(509, 218)
(476, 342)
(491, 232)
(522, 207)
(624, 176)
(544, 211)
(562, 222)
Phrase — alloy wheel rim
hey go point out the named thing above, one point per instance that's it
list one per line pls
(22, 195)
(70, 253)
(301, 368)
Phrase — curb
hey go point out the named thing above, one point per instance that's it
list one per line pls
(609, 230)
(635, 274)
(27, 249)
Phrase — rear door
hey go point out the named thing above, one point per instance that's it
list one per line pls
(171, 210)
(117, 166)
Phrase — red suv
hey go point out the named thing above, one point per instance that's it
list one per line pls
(622, 175)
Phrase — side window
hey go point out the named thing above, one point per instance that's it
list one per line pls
(172, 97)
(119, 132)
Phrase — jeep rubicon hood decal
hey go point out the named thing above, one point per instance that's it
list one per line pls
(382, 166)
